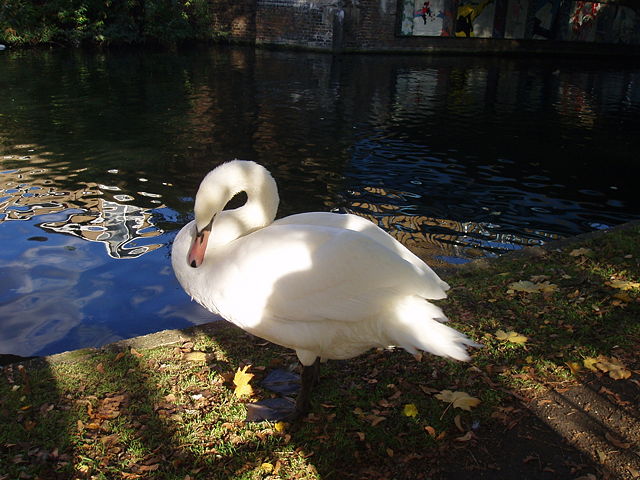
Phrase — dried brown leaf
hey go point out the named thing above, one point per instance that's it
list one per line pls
(458, 423)
(466, 437)
(431, 431)
(616, 442)
(375, 419)
(136, 353)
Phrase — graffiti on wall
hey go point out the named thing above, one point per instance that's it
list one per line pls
(475, 19)
(568, 20)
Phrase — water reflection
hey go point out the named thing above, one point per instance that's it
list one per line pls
(100, 156)
(28, 193)
(454, 241)
(117, 226)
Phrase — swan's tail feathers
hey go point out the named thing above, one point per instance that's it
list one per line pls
(418, 326)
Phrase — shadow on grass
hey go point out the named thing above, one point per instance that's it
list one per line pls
(170, 413)
(591, 312)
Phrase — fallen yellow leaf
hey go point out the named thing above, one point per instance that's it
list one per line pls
(266, 467)
(530, 287)
(410, 410)
(280, 427)
(195, 357)
(578, 252)
(614, 367)
(575, 367)
(622, 296)
(602, 456)
(523, 286)
(241, 380)
(460, 400)
(624, 284)
(590, 363)
(547, 287)
(539, 278)
(619, 373)
(511, 336)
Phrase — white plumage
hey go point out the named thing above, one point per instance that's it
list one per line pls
(326, 285)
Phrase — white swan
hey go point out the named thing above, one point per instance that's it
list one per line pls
(327, 285)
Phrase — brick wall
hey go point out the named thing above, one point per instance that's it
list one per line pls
(370, 24)
(362, 26)
(297, 23)
(236, 19)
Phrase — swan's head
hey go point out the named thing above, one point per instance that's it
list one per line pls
(216, 189)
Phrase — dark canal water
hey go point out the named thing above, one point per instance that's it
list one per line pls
(101, 155)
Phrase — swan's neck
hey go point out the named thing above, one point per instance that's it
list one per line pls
(221, 185)
(258, 212)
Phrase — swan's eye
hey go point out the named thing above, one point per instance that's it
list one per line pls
(238, 200)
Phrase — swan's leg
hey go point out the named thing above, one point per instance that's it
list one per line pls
(310, 375)
(282, 408)
(316, 372)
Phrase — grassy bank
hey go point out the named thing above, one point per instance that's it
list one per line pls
(105, 22)
(560, 332)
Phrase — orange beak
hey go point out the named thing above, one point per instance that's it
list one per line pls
(198, 248)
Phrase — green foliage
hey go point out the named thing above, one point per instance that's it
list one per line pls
(102, 22)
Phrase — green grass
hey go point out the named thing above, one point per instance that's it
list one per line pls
(157, 414)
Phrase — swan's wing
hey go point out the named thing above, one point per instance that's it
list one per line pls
(364, 226)
(310, 273)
